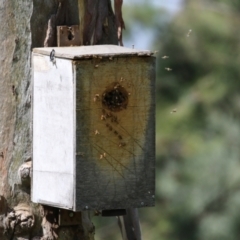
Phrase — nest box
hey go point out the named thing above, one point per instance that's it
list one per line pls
(93, 127)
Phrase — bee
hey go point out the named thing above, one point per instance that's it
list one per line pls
(96, 97)
(174, 110)
(116, 86)
(97, 132)
(165, 57)
(122, 144)
(189, 32)
(103, 117)
(168, 69)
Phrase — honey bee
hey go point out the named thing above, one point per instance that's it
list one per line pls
(189, 32)
(122, 144)
(117, 85)
(103, 117)
(96, 97)
(97, 132)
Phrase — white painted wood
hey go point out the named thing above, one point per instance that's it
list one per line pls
(84, 51)
(53, 124)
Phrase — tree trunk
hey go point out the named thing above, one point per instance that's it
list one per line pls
(24, 25)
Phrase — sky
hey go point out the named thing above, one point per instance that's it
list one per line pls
(171, 5)
(144, 38)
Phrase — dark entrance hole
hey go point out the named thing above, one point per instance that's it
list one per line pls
(115, 98)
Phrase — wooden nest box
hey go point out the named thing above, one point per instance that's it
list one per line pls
(93, 127)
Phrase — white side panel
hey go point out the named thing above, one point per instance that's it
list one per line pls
(53, 125)
(55, 190)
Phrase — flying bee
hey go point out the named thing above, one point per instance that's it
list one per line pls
(165, 57)
(168, 69)
(174, 110)
(189, 32)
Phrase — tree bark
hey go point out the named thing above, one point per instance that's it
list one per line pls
(24, 26)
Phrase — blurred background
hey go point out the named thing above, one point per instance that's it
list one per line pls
(198, 118)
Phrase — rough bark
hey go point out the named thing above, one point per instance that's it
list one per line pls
(24, 25)
(17, 211)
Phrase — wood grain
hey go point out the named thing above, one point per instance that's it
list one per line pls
(116, 148)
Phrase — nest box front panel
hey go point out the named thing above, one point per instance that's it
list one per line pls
(115, 132)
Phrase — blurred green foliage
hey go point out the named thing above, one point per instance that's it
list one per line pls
(198, 120)
(198, 158)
